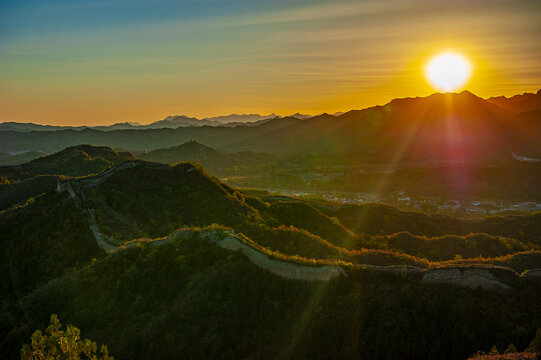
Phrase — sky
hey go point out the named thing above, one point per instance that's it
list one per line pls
(79, 62)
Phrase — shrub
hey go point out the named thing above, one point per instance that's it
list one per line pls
(59, 344)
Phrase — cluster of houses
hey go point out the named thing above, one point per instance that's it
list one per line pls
(466, 206)
(462, 207)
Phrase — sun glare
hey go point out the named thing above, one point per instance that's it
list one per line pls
(448, 71)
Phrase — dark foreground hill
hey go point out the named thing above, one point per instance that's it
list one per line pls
(192, 298)
(195, 300)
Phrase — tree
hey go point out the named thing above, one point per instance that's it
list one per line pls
(494, 351)
(535, 345)
(59, 344)
(511, 349)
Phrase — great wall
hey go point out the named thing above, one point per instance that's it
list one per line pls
(486, 277)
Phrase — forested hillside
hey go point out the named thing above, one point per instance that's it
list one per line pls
(192, 297)
(379, 219)
(78, 160)
(19, 183)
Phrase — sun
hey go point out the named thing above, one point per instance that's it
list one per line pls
(448, 71)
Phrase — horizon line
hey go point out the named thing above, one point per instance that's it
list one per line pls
(209, 118)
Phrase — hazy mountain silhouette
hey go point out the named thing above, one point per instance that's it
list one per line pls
(519, 103)
(176, 121)
(301, 116)
(447, 126)
(118, 126)
(170, 122)
(242, 118)
(451, 127)
(16, 126)
(214, 161)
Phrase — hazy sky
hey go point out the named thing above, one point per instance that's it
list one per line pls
(104, 61)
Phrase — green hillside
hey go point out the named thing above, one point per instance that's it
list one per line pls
(20, 191)
(449, 246)
(193, 299)
(21, 182)
(377, 219)
(142, 201)
(78, 160)
(40, 241)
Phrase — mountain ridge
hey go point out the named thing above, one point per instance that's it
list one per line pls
(517, 103)
(442, 126)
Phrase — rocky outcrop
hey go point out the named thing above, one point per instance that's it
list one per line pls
(485, 277)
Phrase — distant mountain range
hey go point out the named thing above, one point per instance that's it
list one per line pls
(460, 127)
(170, 122)
(519, 103)
(243, 118)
